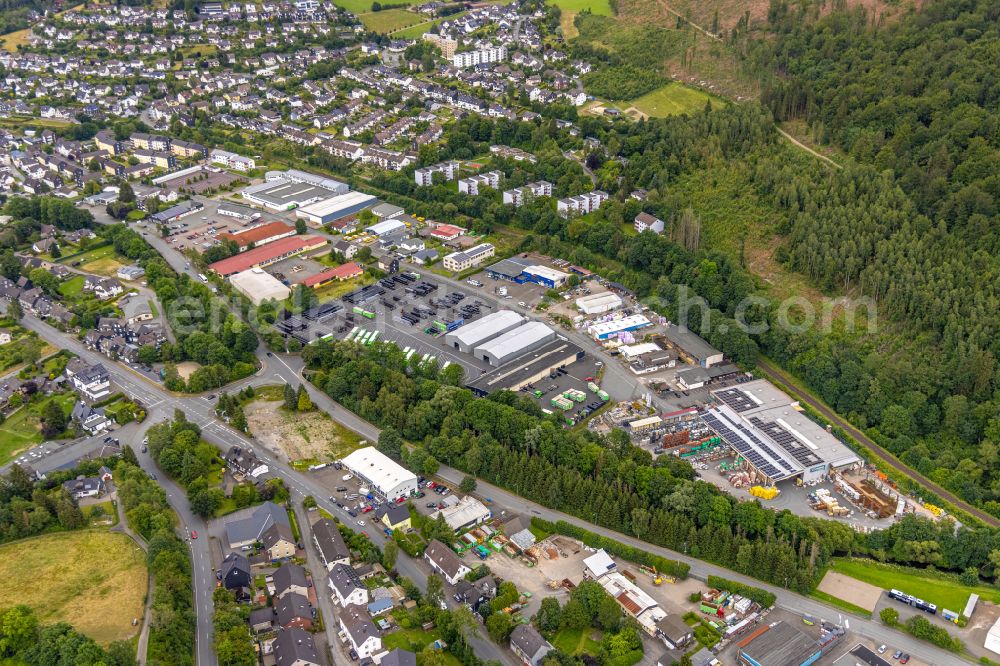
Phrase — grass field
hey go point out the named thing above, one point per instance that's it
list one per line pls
(600, 7)
(23, 429)
(935, 587)
(335, 290)
(416, 31)
(840, 603)
(390, 20)
(576, 642)
(93, 579)
(100, 261)
(72, 287)
(672, 99)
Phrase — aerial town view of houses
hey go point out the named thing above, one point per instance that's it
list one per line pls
(563, 333)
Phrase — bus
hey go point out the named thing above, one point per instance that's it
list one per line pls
(373, 337)
(410, 353)
(354, 331)
(202, 277)
(911, 600)
(364, 313)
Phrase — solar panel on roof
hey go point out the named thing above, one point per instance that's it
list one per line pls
(787, 441)
(736, 399)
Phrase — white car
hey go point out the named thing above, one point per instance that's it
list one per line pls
(361, 522)
(347, 477)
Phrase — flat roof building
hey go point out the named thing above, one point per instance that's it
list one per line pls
(258, 285)
(386, 477)
(772, 434)
(466, 338)
(292, 189)
(326, 211)
(545, 276)
(609, 329)
(514, 343)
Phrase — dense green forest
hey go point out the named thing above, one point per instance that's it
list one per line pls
(506, 440)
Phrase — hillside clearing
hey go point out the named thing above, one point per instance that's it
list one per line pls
(93, 579)
(389, 20)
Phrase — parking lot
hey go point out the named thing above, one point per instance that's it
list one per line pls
(200, 230)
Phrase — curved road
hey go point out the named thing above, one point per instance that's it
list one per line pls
(861, 437)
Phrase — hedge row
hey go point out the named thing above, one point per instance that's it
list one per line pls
(662, 564)
(762, 597)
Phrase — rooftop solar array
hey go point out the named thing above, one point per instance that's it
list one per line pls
(788, 442)
(736, 400)
(750, 446)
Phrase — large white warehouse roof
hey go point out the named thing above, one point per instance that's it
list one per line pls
(383, 472)
(488, 327)
(514, 342)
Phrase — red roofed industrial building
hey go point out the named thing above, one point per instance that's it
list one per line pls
(447, 232)
(260, 235)
(267, 254)
(342, 272)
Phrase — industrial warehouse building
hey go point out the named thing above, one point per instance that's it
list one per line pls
(386, 228)
(692, 347)
(259, 286)
(286, 190)
(599, 303)
(780, 644)
(468, 337)
(259, 235)
(385, 477)
(522, 269)
(514, 343)
(609, 329)
(772, 435)
(338, 273)
(527, 369)
(326, 211)
(267, 254)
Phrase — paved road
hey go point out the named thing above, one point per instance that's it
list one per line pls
(861, 437)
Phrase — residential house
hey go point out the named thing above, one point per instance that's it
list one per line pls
(294, 610)
(444, 560)
(346, 586)
(330, 543)
(399, 657)
(83, 486)
(248, 526)
(290, 578)
(235, 572)
(278, 541)
(295, 647)
(395, 517)
(529, 645)
(362, 634)
(93, 381)
(644, 221)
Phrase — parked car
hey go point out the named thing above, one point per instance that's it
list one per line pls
(882, 648)
(897, 654)
(905, 658)
(352, 513)
(194, 534)
(361, 522)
